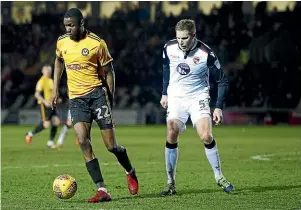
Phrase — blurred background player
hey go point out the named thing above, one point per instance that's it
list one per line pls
(64, 132)
(84, 54)
(187, 64)
(49, 117)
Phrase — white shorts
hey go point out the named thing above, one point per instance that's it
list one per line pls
(181, 108)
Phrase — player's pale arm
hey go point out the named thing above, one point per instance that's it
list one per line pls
(39, 97)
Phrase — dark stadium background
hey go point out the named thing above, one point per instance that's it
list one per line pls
(258, 43)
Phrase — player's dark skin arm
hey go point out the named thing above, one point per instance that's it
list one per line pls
(58, 70)
(110, 77)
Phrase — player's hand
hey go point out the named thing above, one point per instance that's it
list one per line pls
(163, 101)
(218, 116)
(53, 100)
(59, 100)
(47, 104)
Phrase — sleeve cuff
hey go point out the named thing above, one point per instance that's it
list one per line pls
(219, 105)
(60, 59)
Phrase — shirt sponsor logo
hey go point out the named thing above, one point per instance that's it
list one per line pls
(183, 69)
(76, 67)
(174, 57)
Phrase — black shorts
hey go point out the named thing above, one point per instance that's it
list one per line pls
(93, 106)
(47, 113)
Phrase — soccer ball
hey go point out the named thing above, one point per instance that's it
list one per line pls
(64, 186)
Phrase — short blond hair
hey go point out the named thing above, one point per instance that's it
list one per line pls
(186, 25)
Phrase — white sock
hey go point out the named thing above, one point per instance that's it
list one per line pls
(171, 159)
(213, 158)
(30, 133)
(130, 172)
(63, 134)
(103, 189)
(50, 143)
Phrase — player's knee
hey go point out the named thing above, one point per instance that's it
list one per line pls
(69, 123)
(206, 137)
(173, 127)
(46, 124)
(56, 121)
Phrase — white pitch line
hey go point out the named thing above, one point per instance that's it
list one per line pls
(64, 165)
(11, 167)
(60, 165)
(40, 166)
(74, 208)
(262, 157)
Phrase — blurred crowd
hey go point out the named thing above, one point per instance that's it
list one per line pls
(260, 53)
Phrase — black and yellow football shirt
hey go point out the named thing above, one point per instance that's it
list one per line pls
(45, 86)
(83, 61)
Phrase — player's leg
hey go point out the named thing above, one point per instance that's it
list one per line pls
(82, 120)
(45, 123)
(176, 119)
(201, 119)
(82, 130)
(102, 114)
(55, 122)
(64, 130)
(120, 152)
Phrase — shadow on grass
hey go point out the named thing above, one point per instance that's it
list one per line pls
(237, 191)
(267, 188)
(179, 193)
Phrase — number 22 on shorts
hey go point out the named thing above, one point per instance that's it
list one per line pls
(101, 114)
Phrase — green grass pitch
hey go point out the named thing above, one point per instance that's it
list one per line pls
(272, 181)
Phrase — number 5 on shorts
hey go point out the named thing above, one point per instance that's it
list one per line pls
(203, 104)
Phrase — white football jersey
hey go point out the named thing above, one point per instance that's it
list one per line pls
(188, 71)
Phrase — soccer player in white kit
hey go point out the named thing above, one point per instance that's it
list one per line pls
(187, 65)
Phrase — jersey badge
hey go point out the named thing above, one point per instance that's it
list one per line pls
(196, 60)
(85, 52)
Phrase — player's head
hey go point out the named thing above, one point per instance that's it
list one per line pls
(47, 70)
(185, 33)
(74, 23)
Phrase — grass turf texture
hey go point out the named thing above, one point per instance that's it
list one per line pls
(28, 171)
